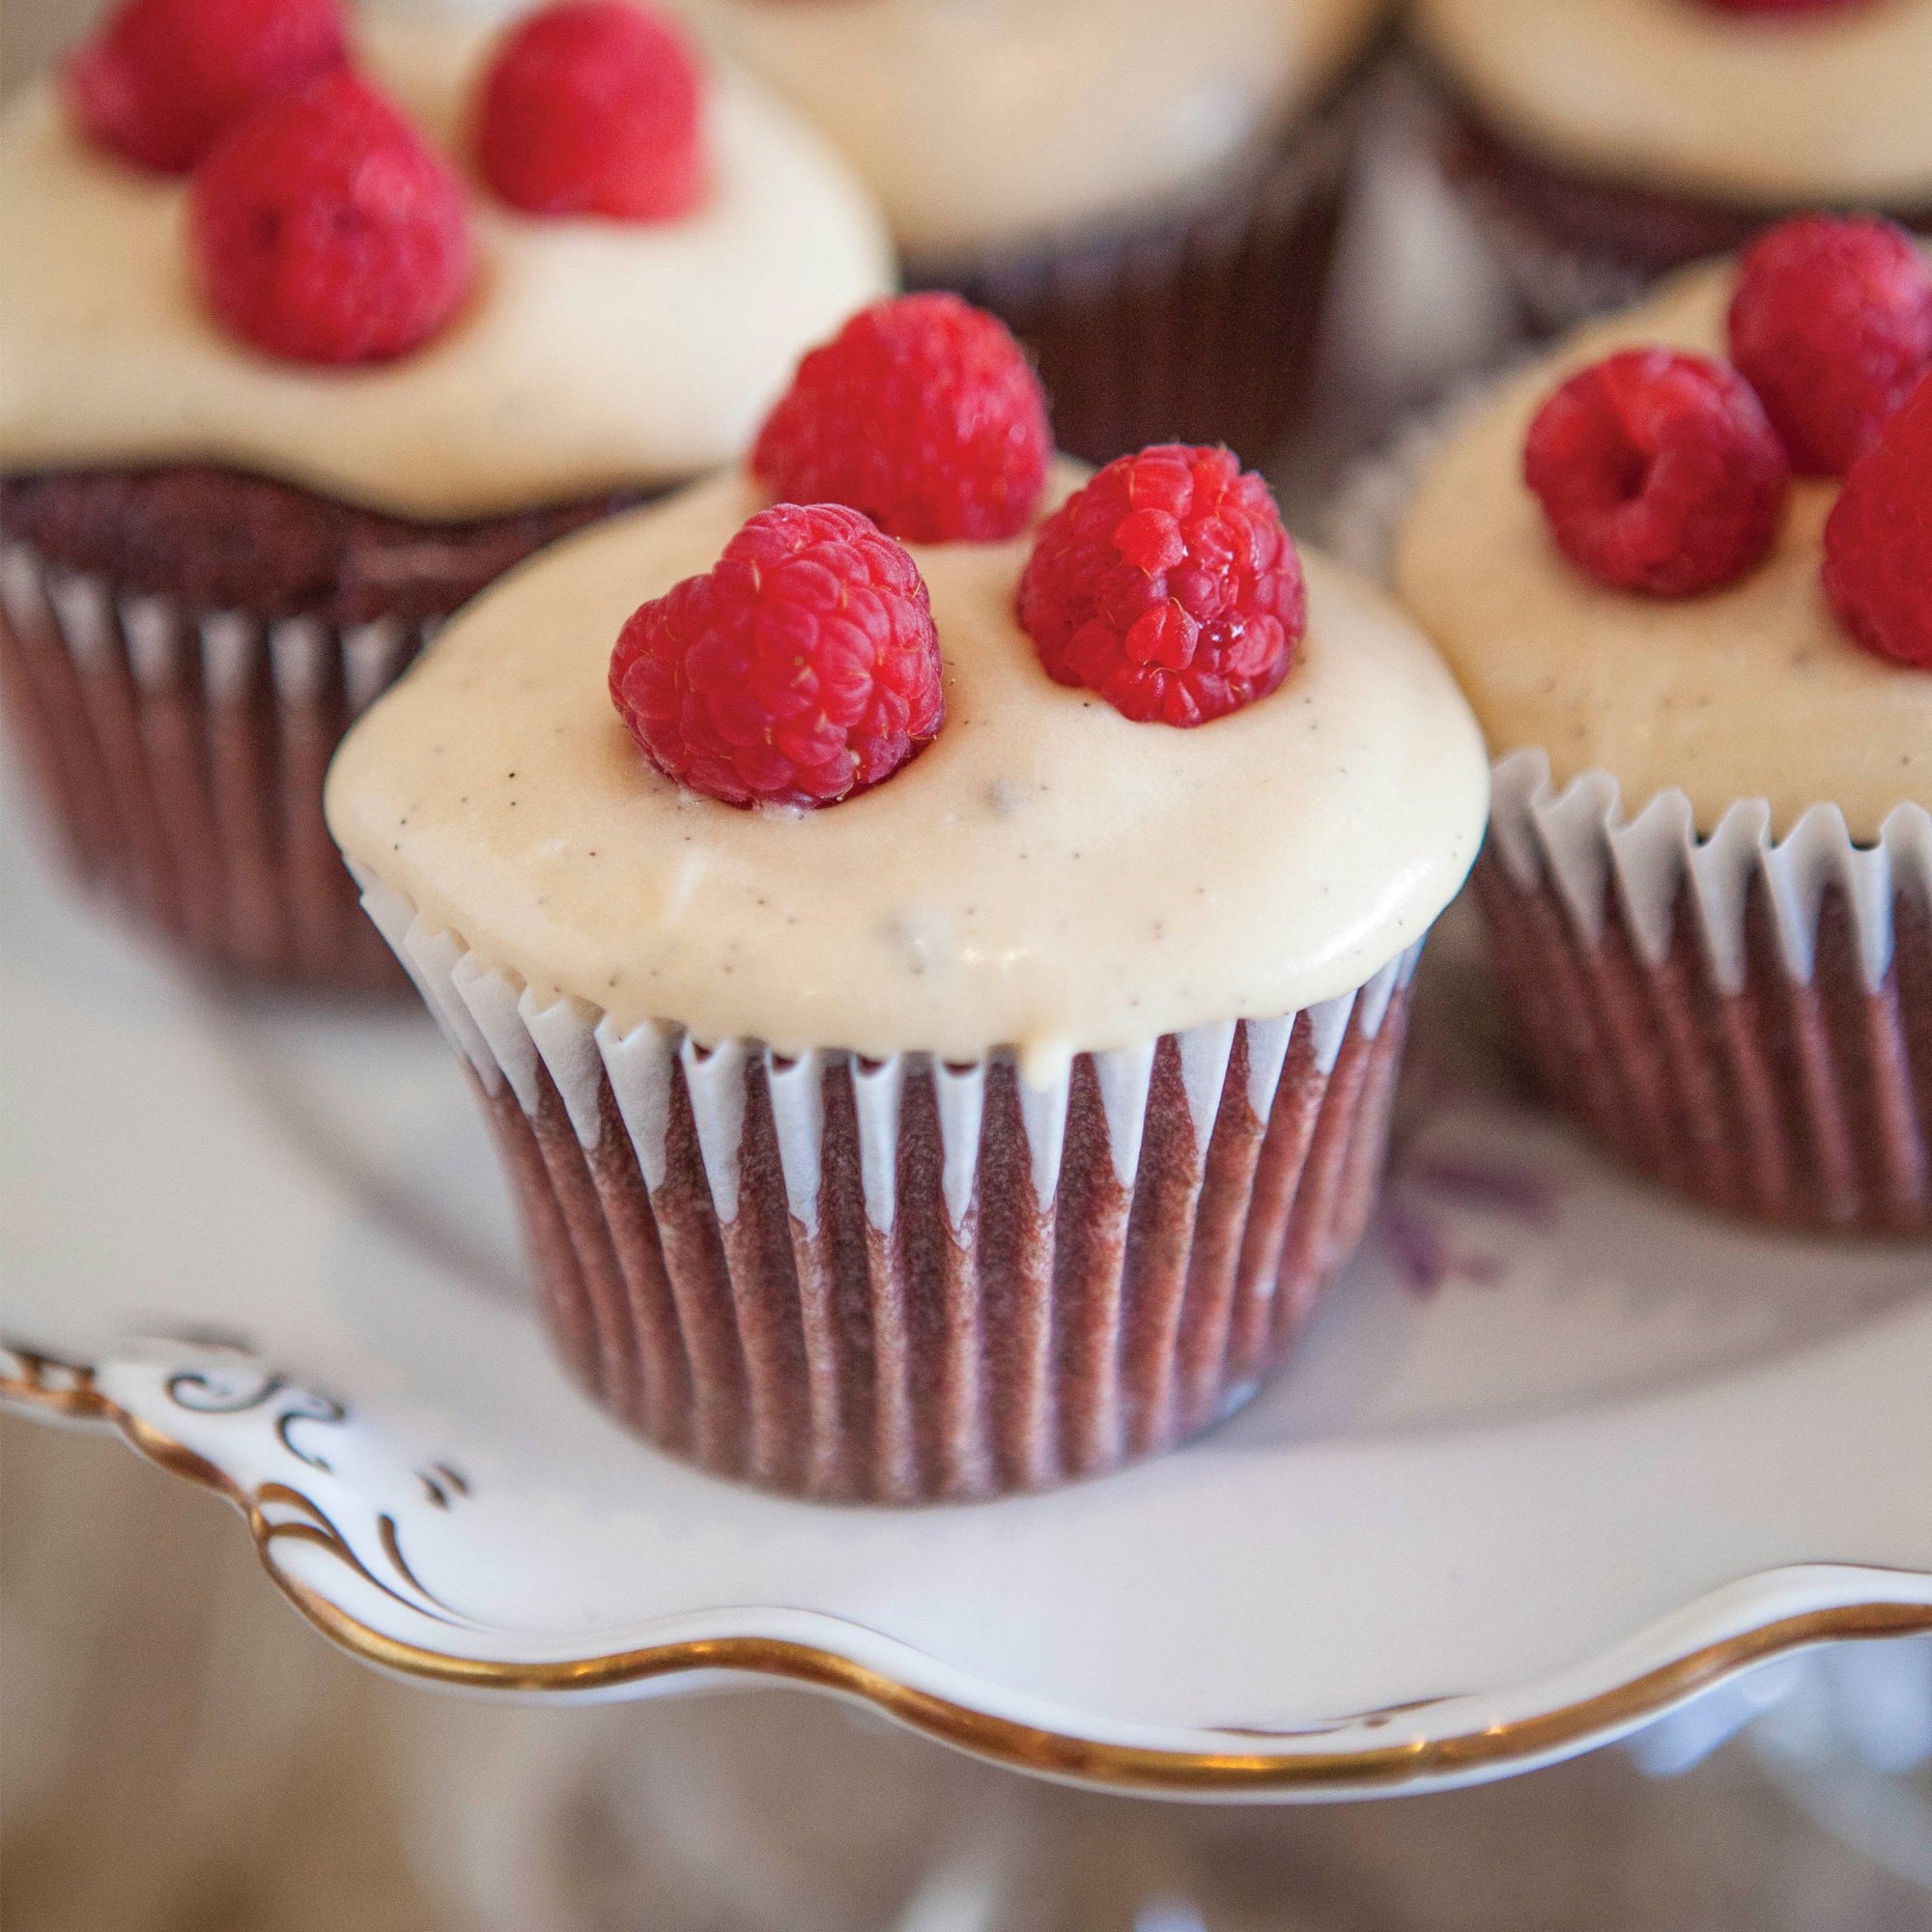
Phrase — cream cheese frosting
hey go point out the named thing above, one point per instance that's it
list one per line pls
(1045, 875)
(1755, 691)
(595, 356)
(982, 122)
(1675, 94)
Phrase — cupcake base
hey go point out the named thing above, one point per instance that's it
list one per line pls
(910, 1281)
(1748, 1024)
(1574, 245)
(181, 651)
(1200, 328)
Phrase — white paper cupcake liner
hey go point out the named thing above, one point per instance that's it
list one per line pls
(1580, 841)
(1747, 1019)
(908, 1279)
(180, 756)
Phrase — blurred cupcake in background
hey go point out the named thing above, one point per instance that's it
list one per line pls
(1683, 569)
(1600, 143)
(1148, 193)
(932, 929)
(311, 332)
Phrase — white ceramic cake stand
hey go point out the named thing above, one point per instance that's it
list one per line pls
(1556, 1454)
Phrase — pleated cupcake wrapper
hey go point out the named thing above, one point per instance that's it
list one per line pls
(1198, 327)
(1747, 1019)
(908, 1279)
(179, 754)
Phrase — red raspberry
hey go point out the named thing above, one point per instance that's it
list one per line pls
(1659, 472)
(593, 108)
(923, 412)
(1168, 585)
(326, 231)
(1878, 540)
(165, 78)
(1832, 324)
(801, 670)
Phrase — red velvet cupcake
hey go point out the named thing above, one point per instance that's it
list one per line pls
(932, 934)
(308, 337)
(1681, 571)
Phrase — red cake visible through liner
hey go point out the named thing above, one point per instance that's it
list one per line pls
(1803, 1102)
(182, 649)
(1801, 1099)
(1035, 1343)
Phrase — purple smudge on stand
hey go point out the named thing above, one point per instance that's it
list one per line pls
(1511, 1192)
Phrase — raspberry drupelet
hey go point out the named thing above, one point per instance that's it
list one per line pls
(164, 79)
(1832, 324)
(1878, 540)
(921, 412)
(801, 670)
(1659, 472)
(1168, 585)
(594, 108)
(324, 230)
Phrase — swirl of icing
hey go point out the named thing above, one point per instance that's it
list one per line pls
(595, 356)
(1668, 94)
(985, 122)
(1755, 691)
(1047, 875)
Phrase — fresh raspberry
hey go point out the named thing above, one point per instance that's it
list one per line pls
(593, 108)
(1878, 540)
(324, 230)
(1832, 324)
(165, 78)
(801, 670)
(923, 412)
(1168, 585)
(1659, 472)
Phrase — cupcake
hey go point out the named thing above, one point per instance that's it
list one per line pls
(1600, 143)
(416, 311)
(1148, 193)
(1708, 682)
(937, 997)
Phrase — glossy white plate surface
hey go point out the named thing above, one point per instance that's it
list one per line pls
(1557, 1453)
